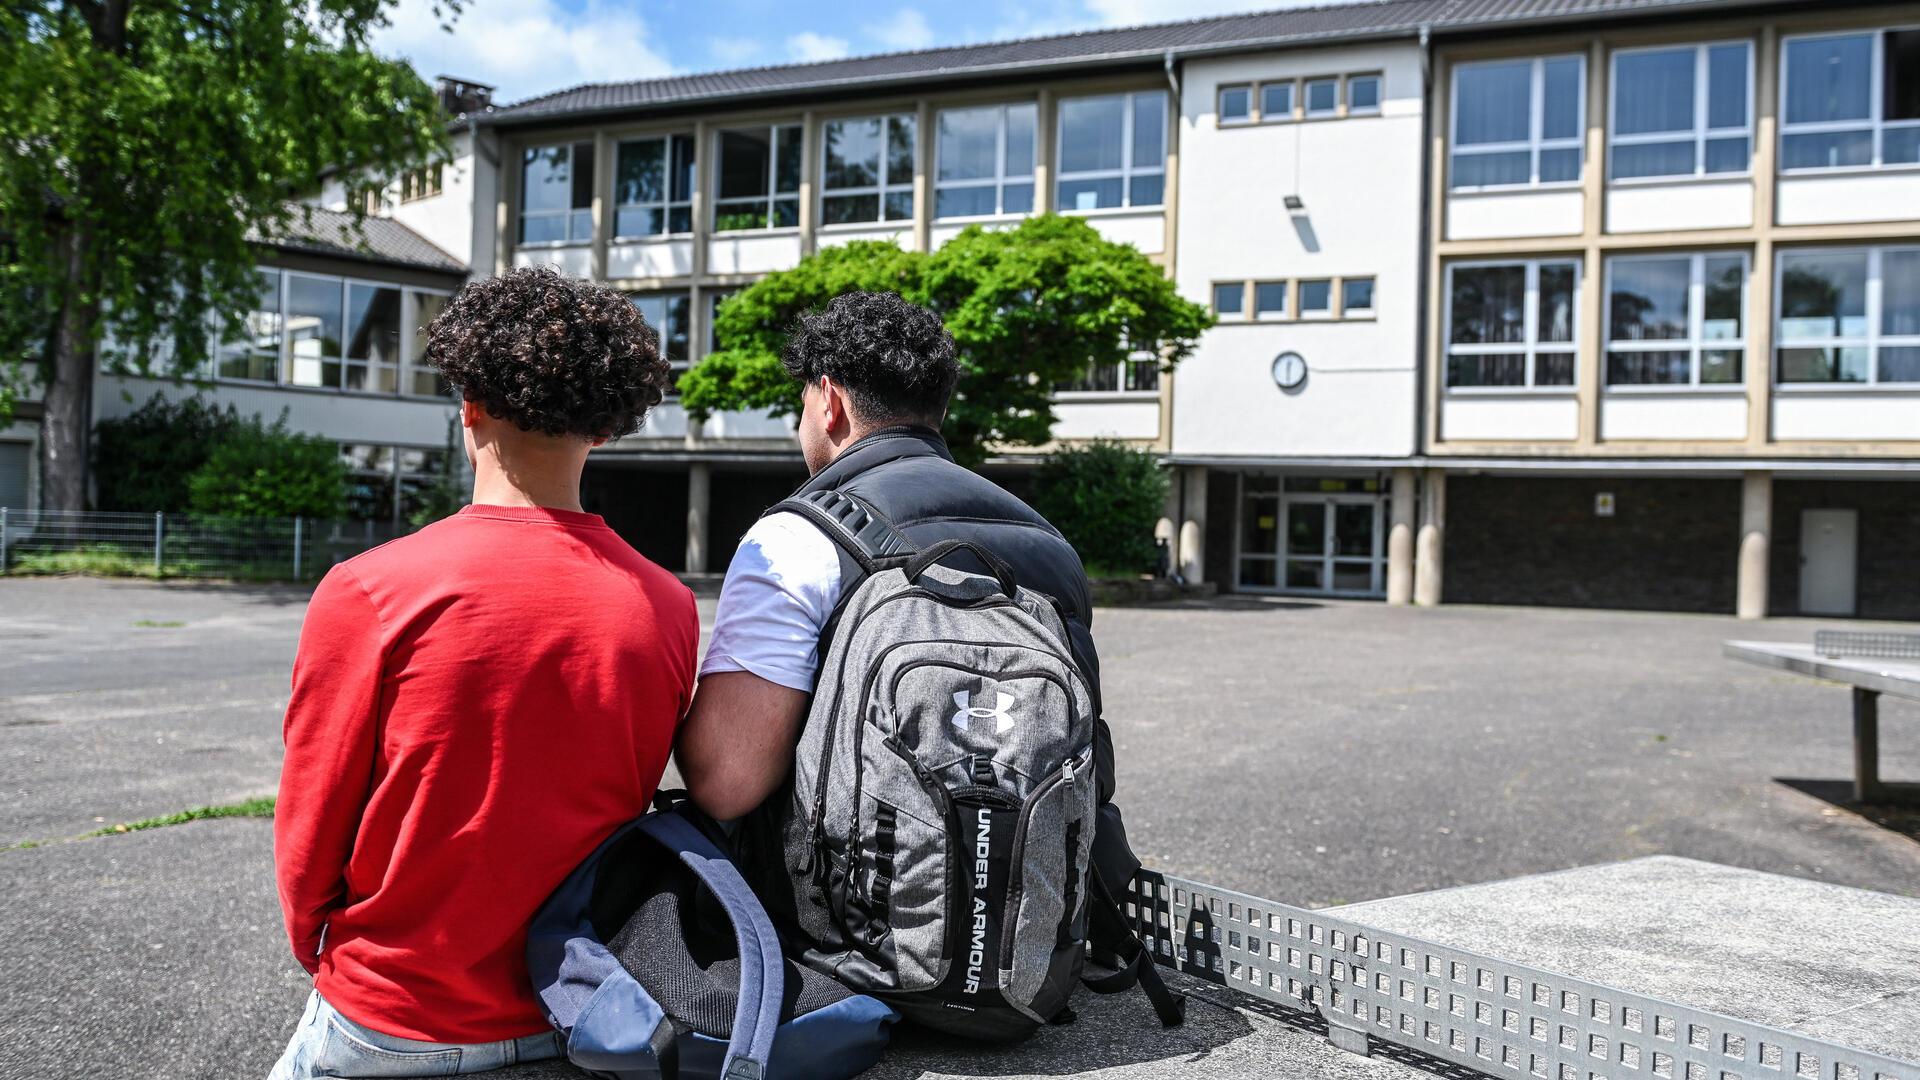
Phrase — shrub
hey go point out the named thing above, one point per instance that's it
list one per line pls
(1105, 498)
(141, 461)
(265, 471)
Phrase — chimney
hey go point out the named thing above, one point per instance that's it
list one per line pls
(462, 96)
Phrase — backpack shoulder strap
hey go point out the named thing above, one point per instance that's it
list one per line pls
(757, 1016)
(852, 523)
(1137, 966)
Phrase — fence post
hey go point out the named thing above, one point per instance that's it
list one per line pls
(296, 549)
(3, 540)
(159, 542)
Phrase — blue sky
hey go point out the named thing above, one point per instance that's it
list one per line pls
(529, 47)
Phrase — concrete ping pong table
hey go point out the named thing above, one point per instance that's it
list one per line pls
(1871, 663)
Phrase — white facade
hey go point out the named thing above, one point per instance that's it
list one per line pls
(1358, 179)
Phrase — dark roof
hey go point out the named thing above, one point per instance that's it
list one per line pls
(1092, 48)
(374, 239)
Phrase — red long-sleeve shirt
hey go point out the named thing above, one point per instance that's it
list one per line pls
(475, 707)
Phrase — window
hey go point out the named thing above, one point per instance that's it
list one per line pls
(1230, 298)
(1269, 299)
(1323, 97)
(1356, 296)
(373, 338)
(1113, 151)
(985, 160)
(1363, 94)
(391, 483)
(1316, 299)
(422, 379)
(420, 183)
(312, 356)
(759, 179)
(670, 316)
(653, 187)
(1236, 104)
(1276, 102)
(1681, 111)
(866, 170)
(255, 354)
(1676, 320)
(1517, 122)
(1511, 325)
(1850, 315)
(714, 300)
(1139, 371)
(556, 194)
(1851, 100)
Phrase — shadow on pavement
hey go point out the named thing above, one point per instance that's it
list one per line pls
(1902, 819)
(1235, 602)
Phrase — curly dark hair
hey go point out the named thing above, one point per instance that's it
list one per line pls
(550, 353)
(895, 359)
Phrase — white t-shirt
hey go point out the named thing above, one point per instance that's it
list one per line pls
(780, 590)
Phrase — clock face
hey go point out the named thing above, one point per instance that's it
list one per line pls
(1289, 370)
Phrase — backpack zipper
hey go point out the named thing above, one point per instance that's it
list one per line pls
(1016, 881)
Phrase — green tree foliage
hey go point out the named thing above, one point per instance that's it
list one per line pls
(147, 145)
(141, 461)
(1104, 497)
(265, 471)
(1028, 307)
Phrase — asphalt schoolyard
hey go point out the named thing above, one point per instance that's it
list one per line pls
(1317, 753)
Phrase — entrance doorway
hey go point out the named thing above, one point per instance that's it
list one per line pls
(1314, 536)
(1829, 546)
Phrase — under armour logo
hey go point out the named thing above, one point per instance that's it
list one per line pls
(967, 711)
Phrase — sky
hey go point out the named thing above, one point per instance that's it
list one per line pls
(530, 47)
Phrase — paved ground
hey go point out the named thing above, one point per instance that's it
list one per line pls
(1318, 754)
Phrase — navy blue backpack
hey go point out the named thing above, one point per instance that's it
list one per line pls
(657, 962)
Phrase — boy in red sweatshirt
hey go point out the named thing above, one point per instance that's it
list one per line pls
(476, 706)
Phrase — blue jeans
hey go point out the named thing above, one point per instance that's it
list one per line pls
(327, 1044)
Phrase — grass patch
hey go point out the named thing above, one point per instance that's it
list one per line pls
(98, 561)
(156, 624)
(107, 560)
(252, 808)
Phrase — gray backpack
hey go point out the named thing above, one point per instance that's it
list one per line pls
(939, 825)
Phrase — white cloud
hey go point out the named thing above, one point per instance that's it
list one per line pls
(526, 47)
(907, 29)
(807, 46)
(733, 51)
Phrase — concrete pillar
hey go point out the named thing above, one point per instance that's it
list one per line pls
(1430, 544)
(1193, 523)
(1400, 539)
(1756, 534)
(699, 497)
(1167, 528)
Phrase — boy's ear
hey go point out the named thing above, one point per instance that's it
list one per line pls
(469, 413)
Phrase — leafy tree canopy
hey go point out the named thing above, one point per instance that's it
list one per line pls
(1027, 307)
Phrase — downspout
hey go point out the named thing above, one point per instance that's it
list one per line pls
(1425, 246)
(1173, 80)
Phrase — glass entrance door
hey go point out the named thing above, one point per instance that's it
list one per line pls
(1333, 544)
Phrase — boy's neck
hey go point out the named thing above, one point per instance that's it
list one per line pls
(552, 484)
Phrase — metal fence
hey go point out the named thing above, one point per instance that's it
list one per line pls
(180, 545)
(1463, 1008)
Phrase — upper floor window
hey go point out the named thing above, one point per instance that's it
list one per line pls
(1363, 94)
(423, 380)
(670, 315)
(421, 183)
(984, 160)
(1681, 111)
(1236, 104)
(1323, 97)
(325, 332)
(1113, 151)
(866, 171)
(653, 187)
(1850, 315)
(1676, 320)
(759, 178)
(556, 194)
(1139, 371)
(1518, 122)
(1851, 99)
(1276, 102)
(1511, 325)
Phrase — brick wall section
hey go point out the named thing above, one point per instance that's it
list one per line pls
(1888, 560)
(1672, 544)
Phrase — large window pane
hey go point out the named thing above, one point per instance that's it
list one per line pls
(1554, 318)
(786, 164)
(1492, 102)
(1489, 305)
(313, 330)
(1725, 299)
(1727, 86)
(1022, 123)
(640, 172)
(744, 160)
(556, 193)
(1091, 133)
(1562, 90)
(1829, 78)
(1899, 296)
(1654, 92)
(1150, 130)
(373, 323)
(1648, 300)
(546, 179)
(1823, 295)
(966, 146)
(852, 153)
(1902, 67)
(426, 308)
(900, 150)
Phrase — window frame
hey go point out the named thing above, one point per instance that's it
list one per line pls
(675, 367)
(1873, 340)
(773, 195)
(1260, 103)
(1372, 310)
(1127, 383)
(1127, 170)
(1695, 343)
(1324, 314)
(881, 188)
(281, 356)
(1252, 116)
(1535, 143)
(1346, 93)
(667, 203)
(1530, 347)
(520, 218)
(1252, 301)
(1875, 122)
(1701, 132)
(1000, 178)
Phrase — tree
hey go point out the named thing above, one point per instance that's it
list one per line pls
(142, 460)
(1028, 307)
(265, 471)
(1104, 497)
(149, 144)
